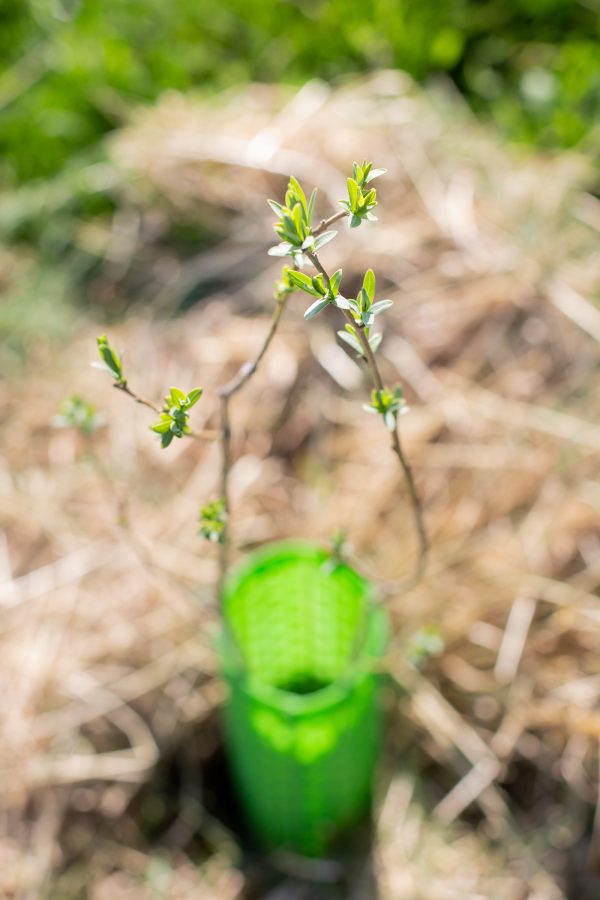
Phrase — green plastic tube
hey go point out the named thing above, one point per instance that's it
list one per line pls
(302, 719)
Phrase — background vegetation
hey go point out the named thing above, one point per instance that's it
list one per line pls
(132, 181)
(71, 69)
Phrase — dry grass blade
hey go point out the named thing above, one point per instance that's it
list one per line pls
(105, 647)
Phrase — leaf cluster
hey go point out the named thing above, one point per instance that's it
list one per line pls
(294, 223)
(76, 412)
(213, 519)
(387, 403)
(326, 290)
(173, 422)
(361, 198)
(363, 310)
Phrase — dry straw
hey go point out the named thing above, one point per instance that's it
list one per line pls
(106, 660)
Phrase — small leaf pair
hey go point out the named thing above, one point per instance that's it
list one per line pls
(173, 422)
(111, 362)
(177, 398)
(361, 199)
(294, 221)
(78, 413)
(213, 519)
(363, 311)
(365, 173)
(363, 308)
(389, 404)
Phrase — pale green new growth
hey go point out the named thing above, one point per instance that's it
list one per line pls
(174, 413)
(110, 361)
(174, 416)
(301, 240)
(76, 412)
(213, 519)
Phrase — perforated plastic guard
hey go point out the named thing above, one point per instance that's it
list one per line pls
(302, 719)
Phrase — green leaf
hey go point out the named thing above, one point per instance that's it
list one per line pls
(110, 358)
(304, 282)
(101, 366)
(323, 239)
(193, 397)
(353, 193)
(277, 208)
(315, 309)
(369, 198)
(294, 186)
(368, 318)
(76, 412)
(311, 206)
(298, 217)
(298, 259)
(369, 283)
(380, 306)
(283, 249)
(287, 228)
(374, 173)
(166, 439)
(375, 341)
(318, 283)
(213, 518)
(355, 221)
(341, 302)
(178, 398)
(351, 340)
(161, 427)
(334, 281)
(390, 419)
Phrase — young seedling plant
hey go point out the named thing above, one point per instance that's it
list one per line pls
(299, 242)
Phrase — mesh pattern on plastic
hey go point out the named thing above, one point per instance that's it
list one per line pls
(303, 770)
(295, 620)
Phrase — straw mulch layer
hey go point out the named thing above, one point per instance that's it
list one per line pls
(110, 766)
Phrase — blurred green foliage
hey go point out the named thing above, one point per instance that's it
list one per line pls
(70, 69)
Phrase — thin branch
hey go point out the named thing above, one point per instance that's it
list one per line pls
(325, 223)
(415, 502)
(225, 467)
(225, 394)
(317, 264)
(123, 386)
(205, 435)
(249, 368)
